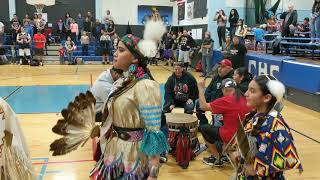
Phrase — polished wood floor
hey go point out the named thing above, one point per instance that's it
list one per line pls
(76, 165)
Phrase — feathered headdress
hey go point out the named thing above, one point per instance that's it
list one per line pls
(277, 89)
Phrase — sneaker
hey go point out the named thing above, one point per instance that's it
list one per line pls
(209, 160)
(163, 159)
(218, 163)
(224, 159)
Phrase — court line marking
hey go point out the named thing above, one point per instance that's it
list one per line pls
(43, 167)
(63, 162)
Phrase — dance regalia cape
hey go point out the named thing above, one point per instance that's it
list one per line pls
(15, 159)
(275, 145)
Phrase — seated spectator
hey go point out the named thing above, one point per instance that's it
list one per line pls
(70, 47)
(3, 57)
(242, 77)
(305, 27)
(258, 35)
(238, 52)
(180, 90)
(40, 41)
(232, 105)
(85, 41)
(105, 43)
(272, 24)
(290, 19)
(102, 87)
(24, 40)
(241, 31)
(213, 91)
(227, 47)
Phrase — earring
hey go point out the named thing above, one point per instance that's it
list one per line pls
(132, 69)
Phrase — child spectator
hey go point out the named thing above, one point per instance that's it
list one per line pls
(40, 41)
(61, 54)
(105, 42)
(70, 46)
(85, 41)
(258, 35)
(74, 30)
(305, 27)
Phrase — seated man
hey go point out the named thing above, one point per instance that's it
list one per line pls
(102, 88)
(180, 90)
(15, 157)
(213, 91)
(232, 106)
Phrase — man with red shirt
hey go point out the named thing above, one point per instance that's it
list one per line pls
(39, 40)
(232, 105)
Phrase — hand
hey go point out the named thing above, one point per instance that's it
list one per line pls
(189, 101)
(151, 178)
(201, 84)
(171, 107)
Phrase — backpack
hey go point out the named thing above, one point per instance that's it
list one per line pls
(34, 62)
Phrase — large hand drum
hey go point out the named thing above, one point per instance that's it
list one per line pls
(177, 120)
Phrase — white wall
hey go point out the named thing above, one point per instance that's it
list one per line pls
(127, 10)
(299, 4)
(196, 21)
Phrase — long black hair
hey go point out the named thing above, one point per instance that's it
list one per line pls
(243, 72)
(236, 14)
(262, 82)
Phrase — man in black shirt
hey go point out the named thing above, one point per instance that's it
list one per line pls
(238, 53)
(168, 43)
(181, 90)
(213, 91)
(186, 43)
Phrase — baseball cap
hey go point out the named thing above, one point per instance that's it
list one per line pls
(226, 62)
(227, 83)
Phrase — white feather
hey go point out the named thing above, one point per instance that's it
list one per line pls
(148, 48)
(277, 89)
(154, 30)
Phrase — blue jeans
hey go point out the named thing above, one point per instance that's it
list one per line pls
(315, 28)
(206, 65)
(188, 108)
(70, 59)
(216, 118)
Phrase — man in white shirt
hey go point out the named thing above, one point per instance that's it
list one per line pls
(108, 17)
(102, 88)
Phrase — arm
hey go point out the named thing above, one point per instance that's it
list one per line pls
(169, 91)
(202, 100)
(295, 18)
(194, 88)
(224, 17)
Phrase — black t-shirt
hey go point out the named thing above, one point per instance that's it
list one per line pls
(87, 26)
(110, 28)
(186, 41)
(2, 51)
(168, 42)
(237, 58)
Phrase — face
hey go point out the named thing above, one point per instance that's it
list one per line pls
(68, 15)
(223, 70)
(255, 97)
(306, 22)
(178, 71)
(228, 91)
(290, 8)
(108, 12)
(235, 40)
(232, 12)
(123, 57)
(228, 39)
(27, 16)
(236, 77)
(207, 35)
(185, 33)
(220, 11)
(69, 38)
(79, 15)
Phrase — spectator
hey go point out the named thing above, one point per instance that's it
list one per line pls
(232, 106)
(207, 52)
(40, 23)
(80, 22)
(26, 19)
(90, 16)
(24, 40)
(13, 55)
(85, 41)
(227, 48)
(315, 20)
(272, 24)
(15, 25)
(74, 30)
(258, 35)
(1, 32)
(108, 17)
(242, 77)
(180, 90)
(61, 54)
(290, 18)
(60, 29)
(175, 47)
(28, 28)
(97, 29)
(105, 43)
(238, 52)
(221, 19)
(40, 41)
(66, 23)
(70, 47)
(213, 91)
(111, 29)
(3, 57)
(168, 45)
(87, 26)
(233, 20)
(102, 87)
(241, 31)
(305, 27)
(186, 42)
(34, 22)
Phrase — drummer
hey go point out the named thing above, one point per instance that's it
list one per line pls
(231, 106)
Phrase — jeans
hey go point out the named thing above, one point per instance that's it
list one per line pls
(183, 56)
(201, 114)
(206, 65)
(232, 31)
(70, 59)
(221, 34)
(188, 108)
(61, 58)
(85, 49)
(315, 28)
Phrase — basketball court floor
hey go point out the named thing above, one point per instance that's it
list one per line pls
(46, 90)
